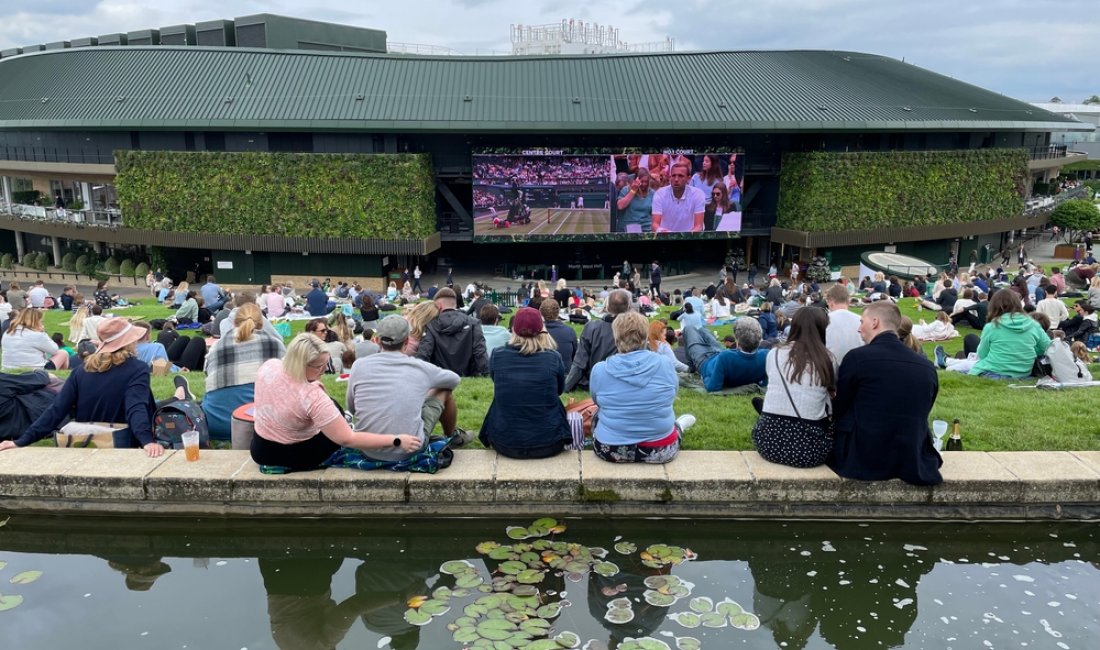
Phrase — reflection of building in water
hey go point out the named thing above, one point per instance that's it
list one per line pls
(578, 37)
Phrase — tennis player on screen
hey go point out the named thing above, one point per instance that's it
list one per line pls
(679, 207)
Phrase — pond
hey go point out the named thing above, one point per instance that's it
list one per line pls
(100, 583)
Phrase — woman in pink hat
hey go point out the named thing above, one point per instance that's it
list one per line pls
(111, 387)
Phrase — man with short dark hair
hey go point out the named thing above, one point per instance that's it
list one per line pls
(562, 334)
(842, 334)
(495, 335)
(212, 295)
(424, 393)
(453, 340)
(884, 394)
(597, 342)
(317, 300)
(679, 207)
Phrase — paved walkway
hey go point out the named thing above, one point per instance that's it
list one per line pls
(977, 485)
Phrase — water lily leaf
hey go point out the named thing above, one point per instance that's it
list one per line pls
(481, 588)
(549, 610)
(745, 621)
(474, 610)
(26, 577)
(597, 551)
(653, 564)
(594, 644)
(499, 624)
(542, 544)
(520, 639)
(544, 644)
(568, 639)
(574, 576)
(417, 617)
(687, 619)
(606, 569)
(5, 522)
(729, 608)
(435, 607)
(465, 621)
(530, 576)
(503, 553)
(644, 643)
(688, 643)
(416, 601)
(2, 565)
(714, 619)
(516, 532)
(575, 566)
(658, 599)
(455, 567)
(10, 601)
(535, 626)
(619, 603)
(442, 593)
(626, 548)
(515, 617)
(468, 580)
(485, 547)
(492, 601)
(525, 590)
(530, 557)
(511, 567)
(619, 615)
(656, 582)
(497, 614)
(465, 635)
(545, 522)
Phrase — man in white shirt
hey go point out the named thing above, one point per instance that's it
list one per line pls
(37, 295)
(679, 207)
(842, 334)
(1054, 309)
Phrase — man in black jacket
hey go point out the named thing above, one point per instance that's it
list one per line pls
(597, 342)
(453, 340)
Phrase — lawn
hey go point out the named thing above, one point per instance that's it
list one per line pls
(993, 416)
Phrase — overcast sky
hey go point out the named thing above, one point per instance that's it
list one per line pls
(1031, 50)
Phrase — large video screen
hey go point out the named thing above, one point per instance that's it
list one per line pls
(547, 195)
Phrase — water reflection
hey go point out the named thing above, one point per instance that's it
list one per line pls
(140, 573)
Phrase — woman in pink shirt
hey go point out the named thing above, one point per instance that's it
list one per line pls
(298, 426)
(274, 301)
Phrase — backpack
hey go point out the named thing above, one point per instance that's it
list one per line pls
(172, 420)
(1064, 367)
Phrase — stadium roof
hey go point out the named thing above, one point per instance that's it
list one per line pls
(200, 88)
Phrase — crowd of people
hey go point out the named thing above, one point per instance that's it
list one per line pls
(541, 170)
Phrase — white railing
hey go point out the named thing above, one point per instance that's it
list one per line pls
(90, 217)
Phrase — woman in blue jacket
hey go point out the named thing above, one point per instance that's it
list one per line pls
(526, 418)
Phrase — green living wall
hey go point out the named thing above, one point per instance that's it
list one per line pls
(383, 196)
(831, 192)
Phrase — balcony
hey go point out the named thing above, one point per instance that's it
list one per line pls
(1052, 157)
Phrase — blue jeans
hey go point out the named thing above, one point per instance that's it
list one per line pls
(700, 345)
(125, 440)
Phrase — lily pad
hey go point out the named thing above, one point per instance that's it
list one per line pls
(619, 603)
(530, 576)
(714, 619)
(486, 547)
(688, 643)
(465, 635)
(417, 617)
(619, 615)
(626, 548)
(535, 626)
(549, 610)
(606, 569)
(574, 576)
(689, 620)
(545, 522)
(503, 553)
(658, 599)
(644, 643)
(442, 593)
(511, 567)
(729, 608)
(525, 590)
(568, 640)
(435, 607)
(516, 532)
(656, 582)
(10, 601)
(530, 557)
(454, 567)
(26, 577)
(468, 580)
(702, 604)
(597, 551)
(745, 621)
(543, 644)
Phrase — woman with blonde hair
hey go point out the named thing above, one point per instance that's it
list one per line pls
(657, 342)
(298, 426)
(526, 418)
(26, 344)
(112, 386)
(1094, 291)
(905, 334)
(419, 317)
(76, 323)
(562, 294)
(231, 366)
(180, 294)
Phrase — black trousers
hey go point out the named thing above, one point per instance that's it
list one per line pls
(188, 352)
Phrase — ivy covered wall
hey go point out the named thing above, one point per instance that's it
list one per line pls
(383, 196)
(831, 192)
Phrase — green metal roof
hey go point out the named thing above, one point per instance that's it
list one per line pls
(199, 88)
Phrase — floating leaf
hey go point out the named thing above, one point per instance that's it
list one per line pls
(417, 617)
(525, 590)
(454, 567)
(702, 604)
(549, 610)
(543, 644)
(530, 557)
(656, 582)
(530, 576)
(442, 593)
(512, 567)
(535, 626)
(576, 566)
(745, 621)
(568, 640)
(468, 580)
(688, 643)
(687, 619)
(465, 635)
(619, 603)
(503, 553)
(486, 547)
(714, 619)
(658, 599)
(619, 615)
(545, 522)
(574, 576)
(516, 532)
(495, 629)
(5, 522)
(26, 577)
(10, 601)
(2, 565)
(597, 551)
(729, 608)
(474, 610)
(606, 569)
(626, 548)
(435, 607)
(644, 643)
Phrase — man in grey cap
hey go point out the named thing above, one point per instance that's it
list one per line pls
(390, 392)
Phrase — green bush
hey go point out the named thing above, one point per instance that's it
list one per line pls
(26, 197)
(384, 196)
(68, 262)
(99, 276)
(28, 259)
(141, 270)
(111, 266)
(84, 265)
(126, 269)
(831, 192)
(7, 261)
(1076, 215)
(42, 261)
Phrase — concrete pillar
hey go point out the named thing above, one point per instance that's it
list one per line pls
(56, 241)
(86, 195)
(97, 247)
(5, 187)
(20, 249)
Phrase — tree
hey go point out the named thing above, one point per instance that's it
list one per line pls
(1076, 215)
(1095, 99)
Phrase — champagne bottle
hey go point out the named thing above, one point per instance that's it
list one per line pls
(955, 442)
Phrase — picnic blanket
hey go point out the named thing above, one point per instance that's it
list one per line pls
(429, 460)
(692, 381)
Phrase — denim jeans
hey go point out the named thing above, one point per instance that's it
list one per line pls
(700, 345)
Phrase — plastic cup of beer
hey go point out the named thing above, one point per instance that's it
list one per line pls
(939, 430)
(191, 445)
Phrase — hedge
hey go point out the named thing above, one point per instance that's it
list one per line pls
(7, 261)
(68, 262)
(821, 191)
(126, 269)
(84, 266)
(384, 196)
(141, 270)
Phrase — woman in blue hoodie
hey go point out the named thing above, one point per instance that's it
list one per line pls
(635, 390)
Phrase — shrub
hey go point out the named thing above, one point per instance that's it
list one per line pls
(99, 276)
(818, 270)
(28, 259)
(84, 265)
(1076, 214)
(126, 269)
(41, 261)
(141, 270)
(111, 266)
(68, 262)
(7, 261)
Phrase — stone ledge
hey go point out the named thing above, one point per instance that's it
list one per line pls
(1032, 485)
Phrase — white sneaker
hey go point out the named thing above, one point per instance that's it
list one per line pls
(685, 421)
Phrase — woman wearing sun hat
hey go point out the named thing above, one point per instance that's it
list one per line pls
(111, 387)
(526, 418)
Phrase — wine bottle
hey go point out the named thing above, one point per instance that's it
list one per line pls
(955, 442)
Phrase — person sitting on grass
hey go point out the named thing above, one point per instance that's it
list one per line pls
(298, 426)
(721, 368)
(565, 338)
(635, 390)
(656, 342)
(794, 427)
(454, 340)
(150, 351)
(495, 334)
(231, 366)
(526, 418)
(1050, 305)
(188, 311)
(26, 344)
(974, 315)
(1082, 325)
(596, 341)
(1009, 344)
(112, 386)
(421, 314)
(884, 394)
